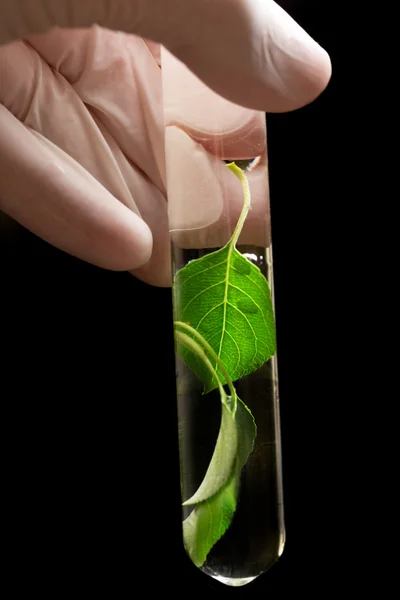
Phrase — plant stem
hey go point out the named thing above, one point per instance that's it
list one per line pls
(246, 201)
(215, 356)
(192, 345)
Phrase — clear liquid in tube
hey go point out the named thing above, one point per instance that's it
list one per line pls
(256, 537)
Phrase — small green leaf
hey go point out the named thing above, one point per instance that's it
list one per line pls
(247, 432)
(210, 519)
(223, 459)
(208, 522)
(227, 300)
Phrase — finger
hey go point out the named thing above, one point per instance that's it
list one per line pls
(252, 53)
(223, 128)
(52, 195)
(44, 100)
(48, 105)
(117, 79)
(157, 271)
(206, 198)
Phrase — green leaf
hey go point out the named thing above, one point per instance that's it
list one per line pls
(247, 432)
(228, 301)
(222, 461)
(210, 519)
(208, 522)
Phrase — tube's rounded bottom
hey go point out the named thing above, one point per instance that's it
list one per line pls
(234, 581)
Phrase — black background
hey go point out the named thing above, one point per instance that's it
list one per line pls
(89, 424)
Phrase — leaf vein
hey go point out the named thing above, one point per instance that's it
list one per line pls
(182, 283)
(262, 290)
(255, 303)
(238, 349)
(200, 293)
(250, 325)
(246, 294)
(207, 313)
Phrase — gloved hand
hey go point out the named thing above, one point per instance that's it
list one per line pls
(81, 119)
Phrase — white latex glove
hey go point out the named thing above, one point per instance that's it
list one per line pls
(81, 119)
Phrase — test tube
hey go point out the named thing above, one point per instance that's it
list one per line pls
(225, 339)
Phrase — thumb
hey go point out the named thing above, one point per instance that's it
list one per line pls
(251, 52)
